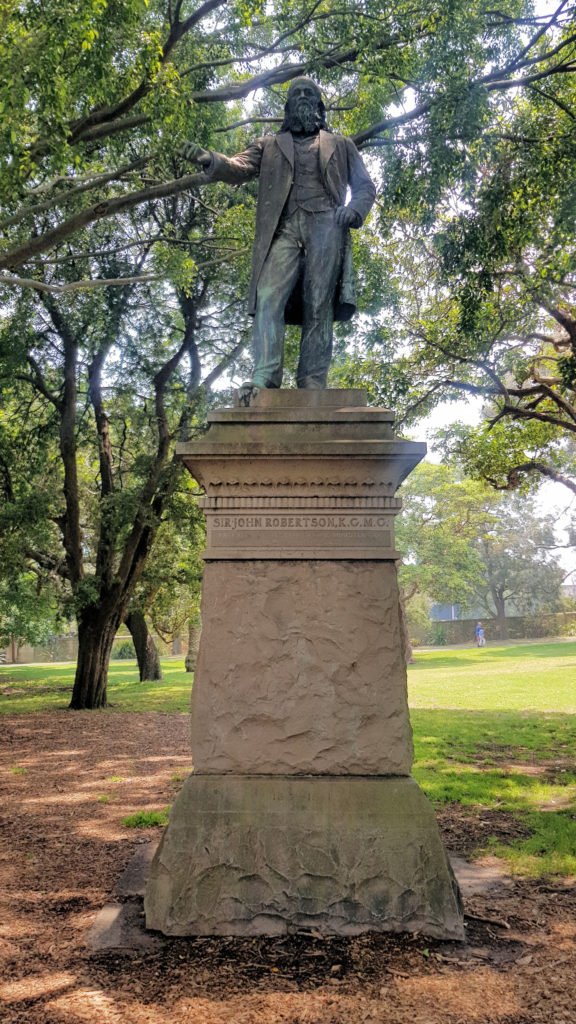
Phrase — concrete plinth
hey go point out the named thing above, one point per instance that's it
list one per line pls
(301, 812)
(274, 855)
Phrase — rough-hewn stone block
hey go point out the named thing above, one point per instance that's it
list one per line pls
(301, 670)
(273, 855)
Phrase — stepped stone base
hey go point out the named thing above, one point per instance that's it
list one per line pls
(271, 855)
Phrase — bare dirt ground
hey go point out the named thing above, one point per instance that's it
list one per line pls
(68, 780)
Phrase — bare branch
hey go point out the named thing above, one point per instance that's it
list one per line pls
(74, 286)
(517, 412)
(224, 363)
(275, 76)
(102, 131)
(560, 401)
(19, 254)
(36, 382)
(514, 83)
(421, 401)
(360, 138)
(47, 561)
(537, 35)
(93, 254)
(94, 181)
(554, 99)
(479, 364)
(547, 54)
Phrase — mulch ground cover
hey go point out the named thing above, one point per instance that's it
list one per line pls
(68, 780)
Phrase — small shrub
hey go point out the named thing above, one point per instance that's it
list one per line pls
(124, 651)
(439, 637)
(147, 819)
(567, 627)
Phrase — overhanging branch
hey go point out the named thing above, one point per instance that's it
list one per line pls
(513, 477)
(19, 254)
(75, 286)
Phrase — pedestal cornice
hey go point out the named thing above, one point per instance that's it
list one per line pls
(301, 475)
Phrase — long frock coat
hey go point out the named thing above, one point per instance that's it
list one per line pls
(271, 158)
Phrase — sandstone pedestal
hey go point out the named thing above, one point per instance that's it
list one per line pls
(301, 812)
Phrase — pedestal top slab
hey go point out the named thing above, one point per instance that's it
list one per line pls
(320, 398)
(345, 405)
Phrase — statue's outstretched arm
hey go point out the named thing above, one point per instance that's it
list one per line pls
(232, 169)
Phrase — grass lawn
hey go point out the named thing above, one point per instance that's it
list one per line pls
(538, 677)
(494, 729)
(49, 688)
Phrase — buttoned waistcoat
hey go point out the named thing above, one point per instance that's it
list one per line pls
(271, 159)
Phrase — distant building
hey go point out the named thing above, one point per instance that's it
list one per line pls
(445, 612)
(459, 613)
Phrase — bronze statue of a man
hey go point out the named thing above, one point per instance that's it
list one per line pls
(302, 260)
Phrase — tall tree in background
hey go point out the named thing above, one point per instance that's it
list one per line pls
(463, 543)
(486, 288)
(518, 570)
(116, 375)
(28, 613)
(442, 520)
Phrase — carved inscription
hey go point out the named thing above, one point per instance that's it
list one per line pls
(283, 533)
(300, 522)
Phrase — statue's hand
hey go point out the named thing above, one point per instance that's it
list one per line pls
(346, 217)
(195, 154)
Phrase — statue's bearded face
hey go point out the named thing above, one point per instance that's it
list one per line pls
(302, 110)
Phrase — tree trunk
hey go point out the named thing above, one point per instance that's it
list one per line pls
(406, 645)
(96, 633)
(194, 631)
(13, 649)
(501, 622)
(146, 653)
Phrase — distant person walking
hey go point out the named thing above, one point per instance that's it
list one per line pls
(480, 638)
